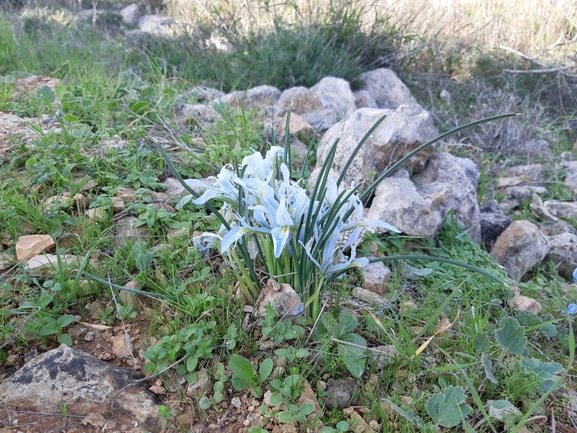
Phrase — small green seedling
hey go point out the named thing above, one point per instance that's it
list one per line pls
(244, 375)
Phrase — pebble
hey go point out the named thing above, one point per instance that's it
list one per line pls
(89, 336)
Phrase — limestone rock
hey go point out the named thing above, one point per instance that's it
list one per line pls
(571, 175)
(363, 99)
(563, 252)
(130, 14)
(398, 203)
(282, 297)
(386, 88)
(298, 128)
(335, 94)
(540, 211)
(445, 186)
(156, 25)
(339, 393)
(81, 382)
(558, 227)
(47, 264)
(203, 115)
(257, 98)
(202, 387)
(493, 223)
(523, 304)
(471, 170)
(562, 208)
(520, 247)
(126, 231)
(31, 245)
(376, 276)
(383, 355)
(401, 132)
(302, 99)
(321, 120)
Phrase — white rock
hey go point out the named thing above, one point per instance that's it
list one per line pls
(386, 88)
(335, 94)
(31, 245)
(402, 131)
(130, 14)
(520, 247)
(398, 203)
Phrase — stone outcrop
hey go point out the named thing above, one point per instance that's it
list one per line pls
(520, 248)
(402, 131)
(86, 385)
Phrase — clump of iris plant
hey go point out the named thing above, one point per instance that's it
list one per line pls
(272, 223)
(305, 238)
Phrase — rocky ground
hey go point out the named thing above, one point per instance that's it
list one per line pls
(98, 384)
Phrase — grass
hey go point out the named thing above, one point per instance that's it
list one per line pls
(115, 87)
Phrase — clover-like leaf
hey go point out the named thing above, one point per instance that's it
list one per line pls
(448, 408)
(510, 336)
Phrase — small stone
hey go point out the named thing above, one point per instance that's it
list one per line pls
(202, 387)
(376, 276)
(47, 264)
(368, 296)
(89, 336)
(383, 355)
(339, 393)
(236, 403)
(282, 297)
(117, 205)
(12, 360)
(96, 214)
(158, 390)
(520, 247)
(522, 303)
(31, 245)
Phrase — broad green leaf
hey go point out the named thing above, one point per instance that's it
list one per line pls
(347, 323)
(50, 328)
(46, 92)
(353, 357)
(481, 342)
(191, 377)
(510, 336)
(191, 363)
(276, 398)
(70, 118)
(549, 330)
(139, 107)
(239, 384)
(329, 324)
(66, 320)
(265, 368)
(285, 416)
(307, 408)
(204, 403)
(545, 370)
(143, 261)
(486, 361)
(241, 368)
(448, 408)
(65, 339)
(302, 353)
